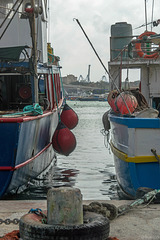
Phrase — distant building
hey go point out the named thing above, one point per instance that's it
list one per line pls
(69, 79)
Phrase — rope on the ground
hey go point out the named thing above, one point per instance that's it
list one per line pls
(107, 210)
(147, 198)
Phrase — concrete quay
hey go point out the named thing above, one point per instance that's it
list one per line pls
(141, 223)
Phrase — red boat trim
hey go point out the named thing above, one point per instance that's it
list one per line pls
(13, 120)
(9, 168)
(6, 168)
(30, 118)
(24, 118)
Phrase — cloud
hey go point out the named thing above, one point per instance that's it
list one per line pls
(96, 18)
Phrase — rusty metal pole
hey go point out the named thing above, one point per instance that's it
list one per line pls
(34, 40)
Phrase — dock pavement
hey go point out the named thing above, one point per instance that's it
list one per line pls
(141, 223)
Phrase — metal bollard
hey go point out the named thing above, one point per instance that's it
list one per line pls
(64, 206)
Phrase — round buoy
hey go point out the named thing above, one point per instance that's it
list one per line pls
(63, 140)
(25, 92)
(69, 117)
(124, 99)
(95, 227)
(112, 98)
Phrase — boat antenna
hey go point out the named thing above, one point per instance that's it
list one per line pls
(146, 13)
(152, 14)
(49, 21)
(110, 76)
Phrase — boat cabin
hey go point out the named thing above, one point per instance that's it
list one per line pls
(17, 70)
(135, 52)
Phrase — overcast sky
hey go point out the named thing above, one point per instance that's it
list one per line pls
(96, 17)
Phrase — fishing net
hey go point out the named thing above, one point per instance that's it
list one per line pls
(11, 236)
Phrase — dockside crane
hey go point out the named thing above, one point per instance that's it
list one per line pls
(88, 75)
(87, 79)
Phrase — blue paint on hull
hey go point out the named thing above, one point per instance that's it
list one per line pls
(5, 178)
(131, 176)
(8, 149)
(132, 122)
(20, 142)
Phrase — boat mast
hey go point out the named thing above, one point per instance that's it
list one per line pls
(34, 41)
(146, 14)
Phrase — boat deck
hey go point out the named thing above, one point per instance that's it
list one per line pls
(141, 223)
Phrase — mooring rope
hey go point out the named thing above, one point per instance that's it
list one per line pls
(34, 109)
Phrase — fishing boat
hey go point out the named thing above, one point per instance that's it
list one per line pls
(98, 98)
(30, 92)
(133, 120)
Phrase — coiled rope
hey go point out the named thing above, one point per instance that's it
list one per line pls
(34, 110)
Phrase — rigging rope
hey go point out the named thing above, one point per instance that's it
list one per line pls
(143, 25)
(155, 24)
(110, 76)
(11, 19)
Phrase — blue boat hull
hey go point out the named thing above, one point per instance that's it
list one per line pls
(31, 94)
(135, 164)
(26, 150)
(131, 176)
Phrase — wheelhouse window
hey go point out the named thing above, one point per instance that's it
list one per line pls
(43, 101)
(5, 8)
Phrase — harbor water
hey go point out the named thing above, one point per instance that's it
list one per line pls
(90, 167)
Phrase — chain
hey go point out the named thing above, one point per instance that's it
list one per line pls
(9, 221)
(15, 221)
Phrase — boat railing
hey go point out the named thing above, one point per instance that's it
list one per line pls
(140, 48)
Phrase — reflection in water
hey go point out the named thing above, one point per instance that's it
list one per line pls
(90, 167)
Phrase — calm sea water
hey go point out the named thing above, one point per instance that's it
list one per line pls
(90, 167)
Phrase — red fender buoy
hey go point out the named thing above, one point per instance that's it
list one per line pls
(111, 100)
(130, 101)
(63, 140)
(69, 117)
